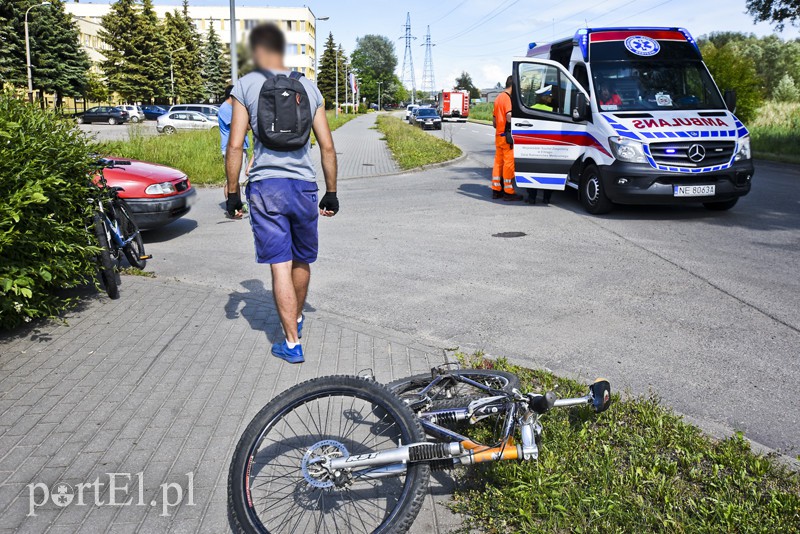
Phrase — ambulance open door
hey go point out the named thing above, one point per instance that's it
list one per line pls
(550, 113)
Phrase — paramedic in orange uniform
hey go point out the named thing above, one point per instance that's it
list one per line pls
(503, 171)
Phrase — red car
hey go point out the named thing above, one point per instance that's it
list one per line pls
(157, 194)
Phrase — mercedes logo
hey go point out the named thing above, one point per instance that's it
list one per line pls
(696, 153)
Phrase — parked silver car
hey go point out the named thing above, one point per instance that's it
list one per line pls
(209, 110)
(171, 122)
(135, 113)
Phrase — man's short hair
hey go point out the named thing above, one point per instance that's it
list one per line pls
(509, 81)
(227, 93)
(269, 37)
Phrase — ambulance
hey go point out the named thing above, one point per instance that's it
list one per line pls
(627, 116)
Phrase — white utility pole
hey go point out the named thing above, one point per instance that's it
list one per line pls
(234, 51)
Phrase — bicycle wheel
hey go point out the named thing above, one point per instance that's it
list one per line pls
(134, 251)
(108, 278)
(451, 393)
(276, 483)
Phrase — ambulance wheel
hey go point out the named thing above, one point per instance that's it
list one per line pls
(721, 206)
(593, 193)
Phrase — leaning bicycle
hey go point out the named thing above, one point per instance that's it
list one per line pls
(347, 454)
(115, 231)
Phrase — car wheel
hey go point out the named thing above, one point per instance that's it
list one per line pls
(112, 121)
(721, 206)
(169, 130)
(135, 120)
(79, 120)
(593, 193)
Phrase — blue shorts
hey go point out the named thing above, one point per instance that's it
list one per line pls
(284, 216)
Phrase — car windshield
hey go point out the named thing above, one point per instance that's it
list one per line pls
(426, 112)
(661, 85)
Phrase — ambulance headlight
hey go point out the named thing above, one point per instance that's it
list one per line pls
(627, 150)
(744, 149)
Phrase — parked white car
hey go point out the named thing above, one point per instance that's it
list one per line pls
(171, 122)
(209, 110)
(134, 112)
(409, 110)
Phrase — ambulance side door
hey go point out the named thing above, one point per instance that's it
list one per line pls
(547, 140)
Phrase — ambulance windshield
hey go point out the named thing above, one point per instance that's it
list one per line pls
(654, 85)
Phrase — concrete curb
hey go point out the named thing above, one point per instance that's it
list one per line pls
(430, 166)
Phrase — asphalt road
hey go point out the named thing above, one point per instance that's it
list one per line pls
(700, 308)
(117, 132)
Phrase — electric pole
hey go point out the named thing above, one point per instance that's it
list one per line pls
(428, 80)
(408, 61)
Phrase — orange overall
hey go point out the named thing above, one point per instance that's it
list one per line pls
(503, 171)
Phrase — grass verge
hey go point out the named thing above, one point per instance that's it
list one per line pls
(482, 112)
(195, 153)
(636, 468)
(134, 271)
(411, 147)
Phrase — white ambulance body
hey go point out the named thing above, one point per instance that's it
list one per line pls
(629, 116)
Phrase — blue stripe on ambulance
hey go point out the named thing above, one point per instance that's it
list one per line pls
(541, 180)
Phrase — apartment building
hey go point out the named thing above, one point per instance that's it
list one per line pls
(299, 24)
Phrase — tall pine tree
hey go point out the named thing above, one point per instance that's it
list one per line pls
(59, 64)
(182, 37)
(123, 68)
(153, 55)
(326, 80)
(215, 73)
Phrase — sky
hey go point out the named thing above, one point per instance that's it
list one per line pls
(482, 36)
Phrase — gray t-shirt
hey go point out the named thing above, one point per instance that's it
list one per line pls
(296, 164)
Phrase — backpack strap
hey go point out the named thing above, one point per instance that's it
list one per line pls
(266, 73)
(295, 75)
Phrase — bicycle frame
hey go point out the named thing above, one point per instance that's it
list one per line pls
(113, 228)
(454, 449)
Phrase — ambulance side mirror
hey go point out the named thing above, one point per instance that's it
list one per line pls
(730, 100)
(582, 111)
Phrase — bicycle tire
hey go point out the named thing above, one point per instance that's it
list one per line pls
(108, 276)
(245, 494)
(134, 251)
(445, 399)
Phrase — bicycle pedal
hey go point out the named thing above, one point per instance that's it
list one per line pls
(146, 257)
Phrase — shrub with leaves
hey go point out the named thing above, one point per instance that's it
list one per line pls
(44, 188)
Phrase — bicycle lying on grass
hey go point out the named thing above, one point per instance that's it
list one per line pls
(347, 454)
(115, 231)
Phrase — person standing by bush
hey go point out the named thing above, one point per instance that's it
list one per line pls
(281, 107)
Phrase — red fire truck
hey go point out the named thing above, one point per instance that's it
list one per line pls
(454, 105)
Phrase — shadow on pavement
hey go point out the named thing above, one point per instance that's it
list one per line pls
(170, 231)
(255, 304)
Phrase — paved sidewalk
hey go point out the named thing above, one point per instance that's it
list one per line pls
(163, 382)
(361, 150)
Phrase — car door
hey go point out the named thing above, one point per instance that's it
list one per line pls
(547, 141)
(195, 121)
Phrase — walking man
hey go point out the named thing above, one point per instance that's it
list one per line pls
(281, 107)
(503, 171)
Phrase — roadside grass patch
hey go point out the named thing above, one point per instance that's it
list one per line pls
(133, 271)
(195, 153)
(638, 467)
(482, 111)
(775, 133)
(411, 147)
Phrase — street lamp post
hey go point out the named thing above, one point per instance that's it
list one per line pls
(28, 50)
(233, 49)
(337, 83)
(316, 53)
(379, 95)
(172, 74)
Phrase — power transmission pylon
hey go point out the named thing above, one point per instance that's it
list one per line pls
(428, 80)
(408, 61)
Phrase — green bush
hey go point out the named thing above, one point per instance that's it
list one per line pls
(44, 189)
(733, 70)
(362, 108)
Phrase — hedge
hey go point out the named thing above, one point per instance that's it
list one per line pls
(44, 187)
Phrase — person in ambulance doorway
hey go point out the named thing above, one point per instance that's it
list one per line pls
(544, 102)
(503, 171)
(609, 99)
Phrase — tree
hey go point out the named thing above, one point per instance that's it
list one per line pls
(326, 79)
(778, 12)
(182, 38)
(731, 70)
(215, 74)
(464, 83)
(153, 60)
(373, 60)
(123, 68)
(96, 88)
(58, 62)
(786, 90)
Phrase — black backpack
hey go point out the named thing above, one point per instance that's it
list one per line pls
(284, 113)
